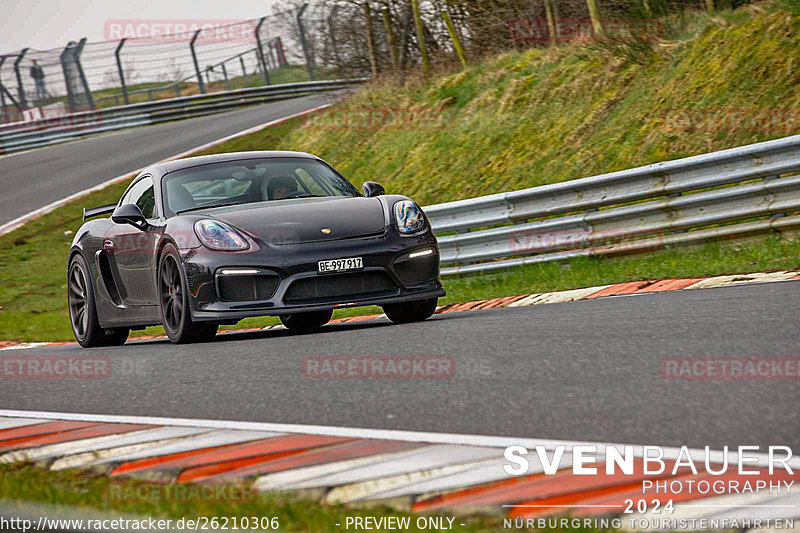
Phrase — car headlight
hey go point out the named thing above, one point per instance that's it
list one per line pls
(219, 236)
(409, 217)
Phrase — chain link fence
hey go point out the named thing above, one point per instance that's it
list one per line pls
(146, 60)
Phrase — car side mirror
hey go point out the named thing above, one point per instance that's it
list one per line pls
(371, 189)
(129, 214)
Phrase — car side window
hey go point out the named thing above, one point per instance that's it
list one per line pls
(143, 195)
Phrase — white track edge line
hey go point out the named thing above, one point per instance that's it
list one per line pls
(670, 452)
(21, 220)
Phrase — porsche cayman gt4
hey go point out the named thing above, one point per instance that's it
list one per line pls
(205, 241)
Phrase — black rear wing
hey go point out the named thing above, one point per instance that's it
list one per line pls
(97, 211)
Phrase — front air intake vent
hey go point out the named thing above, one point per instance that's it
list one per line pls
(247, 288)
(337, 286)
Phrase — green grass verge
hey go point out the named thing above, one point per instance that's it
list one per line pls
(75, 488)
(518, 120)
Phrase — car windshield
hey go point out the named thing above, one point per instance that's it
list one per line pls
(251, 180)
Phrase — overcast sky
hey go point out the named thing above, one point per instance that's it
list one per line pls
(44, 24)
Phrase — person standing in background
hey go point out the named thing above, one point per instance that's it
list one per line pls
(38, 77)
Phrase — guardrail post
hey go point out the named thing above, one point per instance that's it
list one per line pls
(258, 68)
(244, 70)
(74, 77)
(268, 58)
(421, 35)
(3, 108)
(71, 102)
(76, 54)
(273, 53)
(196, 65)
(7, 93)
(373, 54)
(454, 37)
(260, 51)
(23, 103)
(225, 75)
(304, 41)
(121, 72)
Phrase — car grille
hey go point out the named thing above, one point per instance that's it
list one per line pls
(247, 288)
(332, 286)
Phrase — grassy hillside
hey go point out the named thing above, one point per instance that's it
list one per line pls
(548, 115)
(519, 120)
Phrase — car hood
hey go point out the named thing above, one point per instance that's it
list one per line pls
(298, 221)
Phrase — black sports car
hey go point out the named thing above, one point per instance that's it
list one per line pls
(205, 241)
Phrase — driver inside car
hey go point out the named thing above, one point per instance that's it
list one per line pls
(280, 188)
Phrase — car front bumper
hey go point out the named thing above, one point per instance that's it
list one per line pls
(288, 281)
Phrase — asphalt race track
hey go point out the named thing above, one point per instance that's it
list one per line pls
(587, 370)
(33, 179)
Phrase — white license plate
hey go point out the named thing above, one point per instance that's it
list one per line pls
(338, 265)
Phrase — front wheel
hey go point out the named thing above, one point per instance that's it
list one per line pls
(174, 302)
(301, 322)
(415, 311)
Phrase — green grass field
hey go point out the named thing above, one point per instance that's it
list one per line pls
(74, 488)
(518, 120)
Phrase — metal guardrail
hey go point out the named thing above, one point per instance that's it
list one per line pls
(21, 136)
(629, 211)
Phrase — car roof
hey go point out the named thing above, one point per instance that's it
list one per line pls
(178, 164)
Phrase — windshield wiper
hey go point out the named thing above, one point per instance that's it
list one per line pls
(200, 207)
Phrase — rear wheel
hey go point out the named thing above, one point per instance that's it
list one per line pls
(83, 312)
(174, 302)
(406, 312)
(306, 321)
